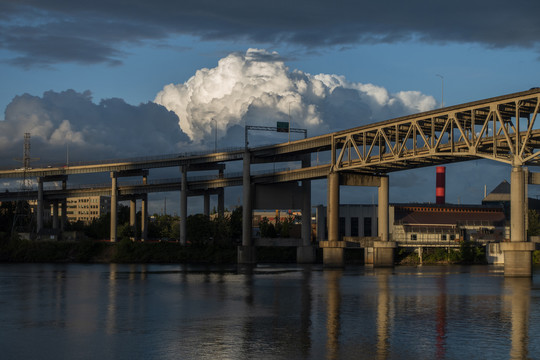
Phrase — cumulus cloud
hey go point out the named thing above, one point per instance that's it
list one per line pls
(42, 33)
(257, 88)
(110, 129)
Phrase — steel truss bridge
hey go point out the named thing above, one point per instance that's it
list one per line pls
(500, 129)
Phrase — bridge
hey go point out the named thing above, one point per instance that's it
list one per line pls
(499, 129)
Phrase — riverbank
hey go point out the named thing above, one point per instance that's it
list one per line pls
(126, 251)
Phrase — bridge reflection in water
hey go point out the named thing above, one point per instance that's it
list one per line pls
(279, 312)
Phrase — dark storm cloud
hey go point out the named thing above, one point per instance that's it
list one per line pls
(43, 32)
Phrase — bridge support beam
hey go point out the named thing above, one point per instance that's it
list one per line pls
(383, 250)
(305, 254)
(55, 215)
(64, 217)
(114, 204)
(517, 252)
(39, 209)
(133, 217)
(334, 251)
(183, 206)
(246, 252)
(144, 218)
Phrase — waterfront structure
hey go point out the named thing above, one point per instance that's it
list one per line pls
(500, 129)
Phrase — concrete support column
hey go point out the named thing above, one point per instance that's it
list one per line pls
(517, 202)
(246, 252)
(206, 204)
(518, 252)
(382, 208)
(64, 218)
(133, 217)
(183, 206)
(39, 209)
(144, 212)
(55, 215)
(221, 203)
(332, 210)
(144, 218)
(383, 250)
(305, 254)
(333, 249)
(114, 205)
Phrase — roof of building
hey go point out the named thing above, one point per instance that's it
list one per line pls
(447, 214)
(500, 193)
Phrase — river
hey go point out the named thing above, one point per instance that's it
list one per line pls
(98, 311)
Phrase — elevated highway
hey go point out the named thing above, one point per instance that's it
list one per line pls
(500, 129)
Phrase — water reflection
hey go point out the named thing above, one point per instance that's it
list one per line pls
(333, 302)
(288, 312)
(441, 318)
(518, 300)
(383, 312)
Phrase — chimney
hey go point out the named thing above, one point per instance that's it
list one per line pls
(441, 185)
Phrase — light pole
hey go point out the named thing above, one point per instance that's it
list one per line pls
(290, 121)
(215, 135)
(442, 89)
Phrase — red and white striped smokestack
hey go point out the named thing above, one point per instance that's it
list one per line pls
(441, 185)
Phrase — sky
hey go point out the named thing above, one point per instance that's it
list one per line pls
(118, 79)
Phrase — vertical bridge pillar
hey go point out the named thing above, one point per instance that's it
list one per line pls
(39, 210)
(114, 204)
(183, 206)
(305, 254)
(246, 252)
(333, 249)
(518, 252)
(133, 217)
(383, 250)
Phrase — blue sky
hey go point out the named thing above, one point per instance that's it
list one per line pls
(55, 51)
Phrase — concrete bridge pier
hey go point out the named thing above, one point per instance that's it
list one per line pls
(183, 205)
(133, 217)
(114, 205)
(63, 219)
(305, 254)
(383, 250)
(518, 252)
(334, 249)
(144, 217)
(246, 252)
(39, 210)
(55, 215)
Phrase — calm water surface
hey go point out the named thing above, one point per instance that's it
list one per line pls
(272, 312)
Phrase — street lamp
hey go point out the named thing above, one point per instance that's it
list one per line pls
(442, 89)
(215, 133)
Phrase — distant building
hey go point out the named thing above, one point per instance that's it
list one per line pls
(421, 223)
(87, 208)
(84, 208)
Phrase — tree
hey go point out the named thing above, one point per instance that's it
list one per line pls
(534, 223)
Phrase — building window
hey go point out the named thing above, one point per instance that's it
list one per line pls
(367, 226)
(354, 226)
(413, 237)
(341, 227)
(452, 237)
(443, 237)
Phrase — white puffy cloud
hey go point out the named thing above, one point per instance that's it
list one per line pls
(257, 88)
